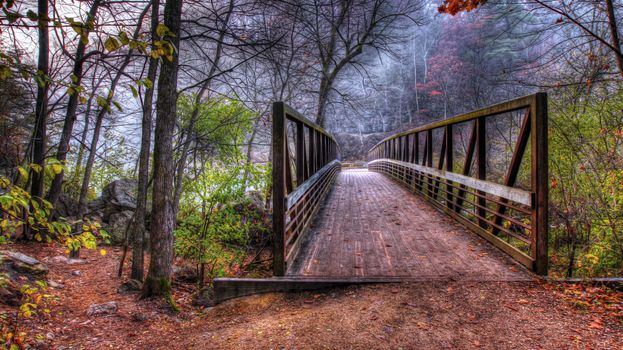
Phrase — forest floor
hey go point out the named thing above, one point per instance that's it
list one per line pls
(422, 315)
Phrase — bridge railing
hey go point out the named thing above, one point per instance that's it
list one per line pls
(472, 167)
(305, 164)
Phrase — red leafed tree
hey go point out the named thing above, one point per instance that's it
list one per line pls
(577, 15)
(455, 6)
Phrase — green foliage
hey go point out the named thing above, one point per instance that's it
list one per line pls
(20, 211)
(221, 125)
(586, 158)
(217, 221)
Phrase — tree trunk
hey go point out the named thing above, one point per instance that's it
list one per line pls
(41, 108)
(84, 189)
(249, 160)
(614, 35)
(85, 130)
(158, 281)
(72, 106)
(83, 140)
(143, 167)
(323, 97)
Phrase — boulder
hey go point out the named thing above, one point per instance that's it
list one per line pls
(117, 196)
(204, 297)
(18, 263)
(66, 206)
(16, 269)
(130, 286)
(117, 225)
(185, 273)
(108, 308)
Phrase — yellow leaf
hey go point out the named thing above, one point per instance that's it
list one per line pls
(57, 168)
(103, 252)
(111, 44)
(22, 172)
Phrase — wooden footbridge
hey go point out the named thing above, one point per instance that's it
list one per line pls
(465, 198)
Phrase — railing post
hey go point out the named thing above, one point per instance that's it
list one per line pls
(481, 166)
(279, 196)
(300, 153)
(540, 183)
(318, 151)
(429, 158)
(449, 166)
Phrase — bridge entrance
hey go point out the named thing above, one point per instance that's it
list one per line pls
(435, 203)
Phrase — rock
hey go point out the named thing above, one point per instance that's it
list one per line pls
(23, 264)
(66, 206)
(60, 259)
(185, 273)
(117, 225)
(76, 273)
(10, 293)
(356, 146)
(122, 193)
(76, 261)
(139, 317)
(17, 269)
(252, 208)
(130, 286)
(204, 297)
(56, 285)
(108, 308)
(117, 196)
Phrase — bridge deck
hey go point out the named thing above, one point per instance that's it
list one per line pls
(370, 227)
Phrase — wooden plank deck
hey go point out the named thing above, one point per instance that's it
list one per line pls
(370, 228)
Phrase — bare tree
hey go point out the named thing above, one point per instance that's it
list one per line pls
(158, 281)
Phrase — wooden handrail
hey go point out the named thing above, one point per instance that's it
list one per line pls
(505, 192)
(300, 180)
(513, 219)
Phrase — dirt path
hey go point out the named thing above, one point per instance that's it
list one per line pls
(426, 315)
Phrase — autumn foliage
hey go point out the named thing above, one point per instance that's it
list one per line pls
(455, 6)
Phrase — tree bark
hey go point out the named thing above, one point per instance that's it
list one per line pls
(158, 281)
(72, 106)
(143, 167)
(41, 107)
(614, 35)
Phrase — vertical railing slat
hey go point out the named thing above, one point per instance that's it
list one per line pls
(279, 196)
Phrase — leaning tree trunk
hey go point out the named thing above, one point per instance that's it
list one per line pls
(138, 223)
(41, 108)
(72, 107)
(84, 189)
(85, 129)
(158, 281)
